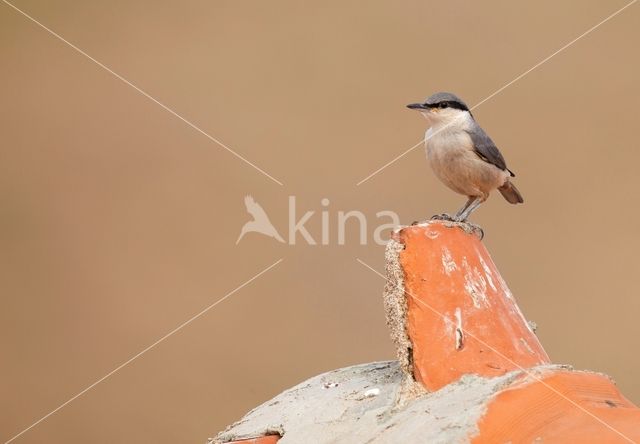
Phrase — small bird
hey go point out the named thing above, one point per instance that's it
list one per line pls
(260, 222)
(462, 155)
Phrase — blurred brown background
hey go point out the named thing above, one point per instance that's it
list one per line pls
(118, 222)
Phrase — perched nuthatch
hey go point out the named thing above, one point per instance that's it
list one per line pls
(461, 154)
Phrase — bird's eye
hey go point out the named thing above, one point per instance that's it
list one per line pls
(443, 105)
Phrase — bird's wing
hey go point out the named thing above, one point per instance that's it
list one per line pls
(254, 208)
(486, 149)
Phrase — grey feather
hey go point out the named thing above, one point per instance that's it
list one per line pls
(444, 97)
(486, 149)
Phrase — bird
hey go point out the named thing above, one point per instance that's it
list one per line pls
(260, 222)
(462, 155)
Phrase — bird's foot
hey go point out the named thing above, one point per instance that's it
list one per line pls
(443, 216)
(471, 227)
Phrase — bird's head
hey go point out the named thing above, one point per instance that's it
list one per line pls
(442, 108)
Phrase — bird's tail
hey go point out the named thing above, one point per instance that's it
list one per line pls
(511, 193)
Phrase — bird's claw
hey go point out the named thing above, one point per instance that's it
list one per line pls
(443, 216)
(457, 219)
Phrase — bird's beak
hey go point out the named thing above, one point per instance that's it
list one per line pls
(416, 106)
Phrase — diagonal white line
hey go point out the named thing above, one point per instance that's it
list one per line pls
(392, 161)
(528, 372)
(144, 93)
(546, 59)
(502, 88)
(136, 356)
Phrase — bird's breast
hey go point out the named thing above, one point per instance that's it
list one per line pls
(447, 145)
(455, 163)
